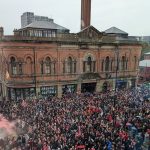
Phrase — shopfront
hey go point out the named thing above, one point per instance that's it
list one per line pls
(21, 93)
(48, 91)
(88, 87)
(69, 88)
(121, 84)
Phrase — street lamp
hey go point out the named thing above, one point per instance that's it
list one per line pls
(116, 78)
(116, 67)
(34, 62)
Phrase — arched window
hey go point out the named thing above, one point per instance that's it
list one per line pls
(107, 63)
(53, 67)
(135, 62)
(89, 65)
(42, 68)
(13, 66)
(64, 67)
(69, 65)
(29, 65)
(111, 65)
(74, 66)
(102, 67)
(20, 68)
(126, 64)
(48, 65)
(123, 63)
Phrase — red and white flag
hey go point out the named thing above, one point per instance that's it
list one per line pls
(24, 103)
(78, 133)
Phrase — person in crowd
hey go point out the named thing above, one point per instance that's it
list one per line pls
(85, 121)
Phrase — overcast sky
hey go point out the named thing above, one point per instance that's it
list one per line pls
(132, 16)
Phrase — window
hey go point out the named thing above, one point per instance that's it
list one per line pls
(48, 65)
(107, 63)
(70, 88)
(53, 69)
(123, 63)
(89, 65)
(126, 64)
(42, 69)
(69, 65)
(64, 67)
(29, 66)
(102, 67)
(84, 64)
(111, 65)
(20, 68)
(74, 65)
(135, 62)
(48, 90)
(94, 66)
(13, 66)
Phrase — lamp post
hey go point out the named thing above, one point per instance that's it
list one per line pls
(116, 78)
(117, 67)
(35, 80)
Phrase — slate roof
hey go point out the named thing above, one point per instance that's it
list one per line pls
(45, 25)
(114, 30)
(91, 27)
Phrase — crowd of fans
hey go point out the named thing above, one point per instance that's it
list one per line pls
(99, 121)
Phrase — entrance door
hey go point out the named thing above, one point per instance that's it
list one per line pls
(105, 86)
(88, 87)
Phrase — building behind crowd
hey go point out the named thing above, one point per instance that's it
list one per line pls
(44, 58)
(144, 74)
(143, 39)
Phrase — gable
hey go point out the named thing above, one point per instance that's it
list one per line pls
(90, 33)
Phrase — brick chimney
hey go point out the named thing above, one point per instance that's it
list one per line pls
(1, 32)
(85, 13)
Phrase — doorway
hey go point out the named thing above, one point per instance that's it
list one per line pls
(105, 87)
(88, 87)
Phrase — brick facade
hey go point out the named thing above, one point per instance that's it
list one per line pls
(47, 66)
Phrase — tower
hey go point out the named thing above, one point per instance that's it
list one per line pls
(85, 13)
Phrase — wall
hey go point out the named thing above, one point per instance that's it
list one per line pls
(59, 52)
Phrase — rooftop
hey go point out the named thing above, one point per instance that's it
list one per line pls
(114, 30)
(45, 25)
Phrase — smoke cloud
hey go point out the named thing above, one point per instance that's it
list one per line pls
(7, 128)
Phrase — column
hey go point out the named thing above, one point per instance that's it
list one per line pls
(59, 90)
(79, 88)
(99, 86)
(114, 83)
(37, 91)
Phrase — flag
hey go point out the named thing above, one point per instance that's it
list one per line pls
(78, 133)
(24, 103)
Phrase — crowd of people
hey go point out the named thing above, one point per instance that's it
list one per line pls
(99, 121)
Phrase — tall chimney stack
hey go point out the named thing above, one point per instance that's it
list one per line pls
(85, 13)
(1, 32)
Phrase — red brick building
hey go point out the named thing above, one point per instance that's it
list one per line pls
(39, 61)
